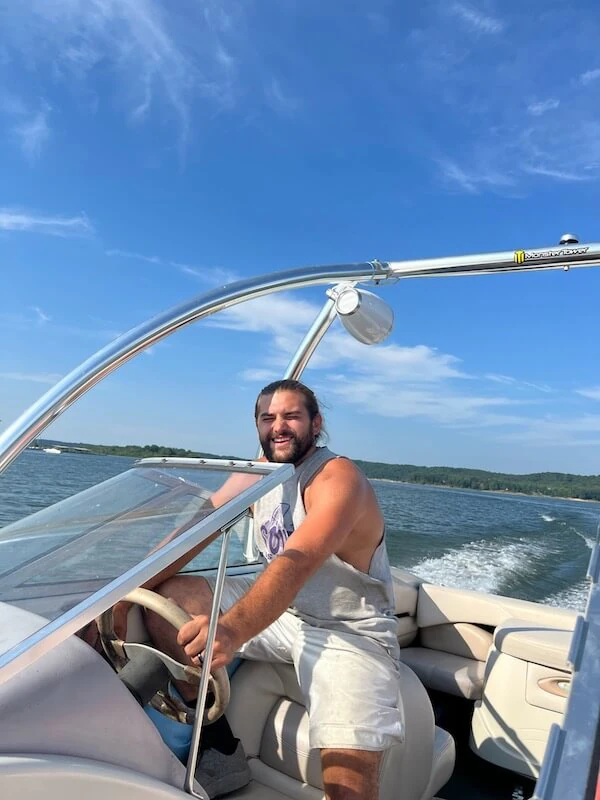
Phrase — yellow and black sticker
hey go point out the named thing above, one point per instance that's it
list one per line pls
(521, 256)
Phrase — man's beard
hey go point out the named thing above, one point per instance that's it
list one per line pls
(298, 448)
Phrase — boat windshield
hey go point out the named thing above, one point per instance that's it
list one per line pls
(71, 561)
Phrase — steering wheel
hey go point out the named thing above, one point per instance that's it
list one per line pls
(119, 652)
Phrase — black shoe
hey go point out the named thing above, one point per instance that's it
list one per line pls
(219, 774)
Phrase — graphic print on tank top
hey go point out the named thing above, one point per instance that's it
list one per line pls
(276, 531)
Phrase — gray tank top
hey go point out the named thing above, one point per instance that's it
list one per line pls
(338, 596)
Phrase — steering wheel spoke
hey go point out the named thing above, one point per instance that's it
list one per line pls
(120, 652)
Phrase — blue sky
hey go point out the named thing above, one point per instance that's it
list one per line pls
(149, 151)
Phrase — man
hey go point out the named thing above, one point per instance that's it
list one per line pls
(324, 601)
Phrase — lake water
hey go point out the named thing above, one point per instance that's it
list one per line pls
(527, 547)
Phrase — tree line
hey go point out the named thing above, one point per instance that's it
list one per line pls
(550, 484)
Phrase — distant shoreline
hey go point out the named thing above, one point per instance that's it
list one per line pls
(558, 485)
(500, 492)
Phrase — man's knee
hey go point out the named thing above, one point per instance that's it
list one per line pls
(351, 774)
(173, 586)
(191, 592)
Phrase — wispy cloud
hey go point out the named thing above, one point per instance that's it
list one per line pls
(39, 321)
(396, 381)
(13, 219)
(589, 77)
(285, 318)
(136, 256)
(593, 393)
(539, 387)
(41, 315)
(557, 432)
(386, 380)
(507, 380)
(455, 175)
(259, 375)
(279, 99)
(209, 275)
(542, 106)
(33, 377)
(475, 180)
(557, 174)
(507, 122)
(158, 61)
(33, 133)
(440, 404)
(27, 124)
(476, 20)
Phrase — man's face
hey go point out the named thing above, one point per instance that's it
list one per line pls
(285, 430)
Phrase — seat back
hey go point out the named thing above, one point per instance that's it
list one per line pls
(268, 714)
(406, 594)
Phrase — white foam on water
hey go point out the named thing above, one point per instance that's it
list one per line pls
(481, 565)
(548, 518)
(589, 542)
(574, 597)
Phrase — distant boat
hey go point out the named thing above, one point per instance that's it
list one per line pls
(54, 450)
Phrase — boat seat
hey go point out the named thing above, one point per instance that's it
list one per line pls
(447, 657)
(267, 713)
(406, 595)
(445, 672)
(451, 658)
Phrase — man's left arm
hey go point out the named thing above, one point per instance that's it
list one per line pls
(336, 496)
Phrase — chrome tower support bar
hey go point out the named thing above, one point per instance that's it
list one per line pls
(207, 661)
(311, 341)
(542, 258)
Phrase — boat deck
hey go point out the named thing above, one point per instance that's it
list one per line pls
(474, 778)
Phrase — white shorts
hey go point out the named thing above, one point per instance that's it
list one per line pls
(350, 683)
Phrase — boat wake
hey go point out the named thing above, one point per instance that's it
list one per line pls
(497, 567)
(482, 566)
(574, 597)
(588, 541)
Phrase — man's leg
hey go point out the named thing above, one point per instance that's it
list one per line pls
(351, 774)
(351, 688)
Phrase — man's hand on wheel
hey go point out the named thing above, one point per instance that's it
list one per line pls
(193, 635)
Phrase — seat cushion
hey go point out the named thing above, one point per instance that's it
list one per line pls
(459, 638)
(444, 756)
(267, 713)
(446, 672)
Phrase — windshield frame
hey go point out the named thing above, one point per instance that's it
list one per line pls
(53, 633)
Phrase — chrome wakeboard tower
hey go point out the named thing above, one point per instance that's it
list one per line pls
(67, 391)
